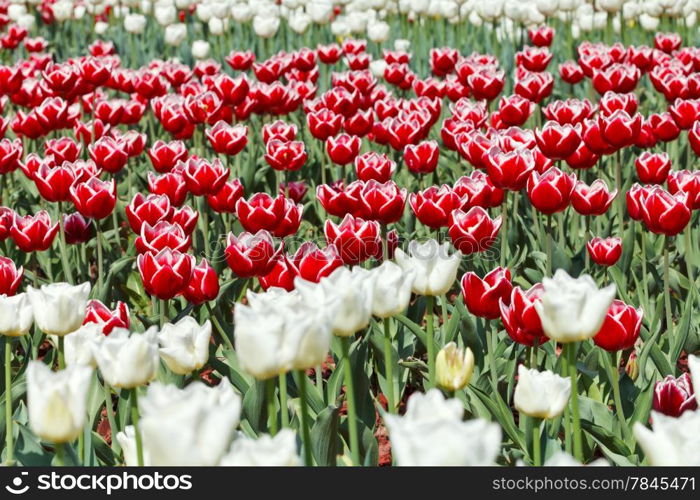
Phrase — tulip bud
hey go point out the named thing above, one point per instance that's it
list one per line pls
(16, 315)
(184, 346)
(541, 394)
(59, 308)
(454, 367)
(128, 360)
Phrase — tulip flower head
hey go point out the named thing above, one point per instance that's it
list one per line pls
(454, 367)
(541, 394)
(184, 345)
(59, 308)
(127, 360)
(434, 267)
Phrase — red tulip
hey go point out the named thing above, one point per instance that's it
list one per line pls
(77, 228)
(383, 203)
(667, 42)
(374, 166)
(343, 148)
(477, 190)
(558, 141)
(63, 149)
(486, 84)
(94, 198)
(224, 201)
(108, 154)
(473, 231)
(443, 60)
(694, 138)
(278, 215)
(620, 129)
(619, 78)
(571, 72)
(605, 252)
(226, 139)
(514, 110)
(294, 190)
(570, 111)
(620, 328)
(592, 200)
(482, 296)
(54, 183)
(509, 170)
(165, 274)
(582, 158)
(147, 209)
(204, 177)
(635, 198)
(663, 127)
(97, 312)
(231, 91)
(474, 146)
(7, 215)
(612, 101)
(165, 155)
(434, 205)
(203, 285)
(289, 155)
(10, 276)
(685, 112)
(596, 143)
(421, 158)
(33, 233)
(171, 184)
(653, 168)
(162, 235)
(355, 239)
(313, 263)
(665, 213)
(240, 60)
(324, 123)
(281, 275)
(10, 154)
(541, 36)
(533, 58)
(534, 86)
(520, 318)
(550, 192)
(251, 255)
(674, 396)
(685, 181)
(280, 131)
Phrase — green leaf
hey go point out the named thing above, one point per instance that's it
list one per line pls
(324, 436)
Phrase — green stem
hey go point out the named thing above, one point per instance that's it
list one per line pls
(504, 229)
(430, 328)
(536, 443)
(135, 423)
(109, 409)
(59, 450)
(163, 312)
(305, 423)
(689, 255)
(490, 358)
(352, 409)
(100, 261)
(9, 436)
(571, 349)
(549, 246)
(389, 367)
(643, 281)
(618, 184)
(67, 272)
(667, 293)
(61, 353)
(271, 406)
(283, 400)
(611, 365)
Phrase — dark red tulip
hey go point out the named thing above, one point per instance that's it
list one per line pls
(482, 296)
(77, 228)
(294, 190)
(620, 328)
(520, 318)
(97, 312)
(674, 396)
(165, 274)
(604, 251)
(355, 239)
(473, 231)
(203, 285)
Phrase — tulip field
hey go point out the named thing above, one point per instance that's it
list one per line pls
(349, 233)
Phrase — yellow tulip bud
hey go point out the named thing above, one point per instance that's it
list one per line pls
(454, 367)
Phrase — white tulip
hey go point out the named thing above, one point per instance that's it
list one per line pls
(145, 6)
(28, 22)
(320, 11)
(127, 441)
(79, 345)
(183, 4)
(220, 10)
(569, 5)
(266, 26)
(16, 315)
(378, 31)
(299, 21)
(134, 23)
(357, 21)
(282, 334)
(432, 433)
(392, 289)
(242, 13)
(573, 309)
(611, 6)
(128, 360)
(454, 367)
(185, 345)
(165, 13)
(377, 67)
(563, 459)
(56, 401)
(188, 427)
(490, 11)
(17, 10)
(418, 6)
(648, 22)
(541, 394)
(547, 7)
(340, 26)
(673, 441)
(278, 451)
(175, 34)
(435, 268)
(203, 12)
(217, 26)
(59, 308)
(402, 45)
(694, 366)
(101, 28)
(79, 12)
(200, 49)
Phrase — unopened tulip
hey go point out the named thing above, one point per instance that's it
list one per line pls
(604, 251)
(392, 289)
(653, 168)
(454, 367)
(16, 315)
(128, 360)
(184, 345)
(59, 308)
(10, 276)
(620, 329)
(483, 296)
(520, 318)
(550, 192)
(665, 213)
(473, 231)
(573, 309)
(541, 394)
